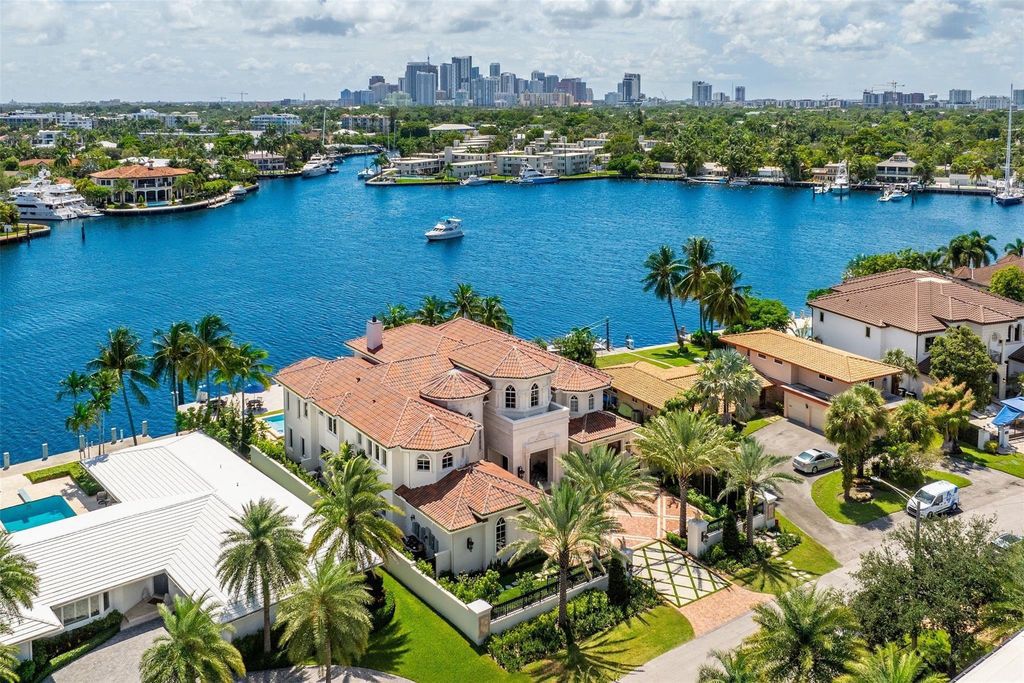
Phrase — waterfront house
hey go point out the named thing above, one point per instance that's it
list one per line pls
(899, 168)
(266, 162)
(773, 174)
(172, 500)
(459, 407)
(286, 122)
(561, 163)
(47, 138)
(150, 183)
(825, 174)
(982, 277)
(640, 389)
(422, 164)
(909, 309)
(804, 376)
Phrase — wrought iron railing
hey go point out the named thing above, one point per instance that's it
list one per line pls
(576, 577)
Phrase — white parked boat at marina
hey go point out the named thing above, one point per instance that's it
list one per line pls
(822, 189)
(528, 175)
(447, 229)
(739, 182)
(43, 200)
(317, 165)
(366, 173)
(474, 180)
(1009, 195)
(892, 195)
(238, 191)
(842, 184)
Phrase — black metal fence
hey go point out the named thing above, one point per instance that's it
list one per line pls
(576, 577)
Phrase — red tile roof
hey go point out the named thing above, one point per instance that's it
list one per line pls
(599, 425)
(500, 358)
(983, 276)
(467, 495)
(454, 384)
(138, 171)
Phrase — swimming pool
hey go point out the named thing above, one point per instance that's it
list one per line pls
(276, 423)
(35, 513)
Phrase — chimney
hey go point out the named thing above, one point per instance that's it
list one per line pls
(374, 334)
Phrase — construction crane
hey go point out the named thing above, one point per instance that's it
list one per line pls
(241, 96)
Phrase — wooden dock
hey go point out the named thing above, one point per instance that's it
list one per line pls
(23, 233)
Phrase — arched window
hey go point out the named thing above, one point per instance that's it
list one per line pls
(510, 396)
(534, 396)
(574, 404)
(499, 534)
(423, 464)
(590, 402)
(447, 461)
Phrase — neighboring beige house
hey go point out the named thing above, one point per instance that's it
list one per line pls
(806, 375)
(983, 276)
(149, 183)
(266, 162)
(641, 389)
(826, 174)
(909, 309)
(899, 168)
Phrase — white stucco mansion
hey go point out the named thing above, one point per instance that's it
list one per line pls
(462, 421)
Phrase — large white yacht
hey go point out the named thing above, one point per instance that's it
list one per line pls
(317, 165)
(44, 200)
(528, 175)
(842, 184)
(447, 229)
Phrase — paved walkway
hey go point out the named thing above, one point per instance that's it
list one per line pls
(677, 576)
(116, 660)
(721, 607)
(313, 674)
(640, 526)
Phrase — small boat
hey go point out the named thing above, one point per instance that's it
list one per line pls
(897, 194)
(238, 191)
(474, 180)
(841, 186)
(822, 189)
(738, 182)
(365, 174)
(447, 229)
(528, 175)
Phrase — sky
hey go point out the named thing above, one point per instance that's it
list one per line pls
(205, 50)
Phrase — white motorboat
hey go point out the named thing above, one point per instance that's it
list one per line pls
(1009, 195)
(238, 191)
(474, 180)
(365, 174)
(738, 182)
(447, 229)
(822, 189)
(842, 184)
(528, 175)
(43, 200)
(897, 194)
(317, 165)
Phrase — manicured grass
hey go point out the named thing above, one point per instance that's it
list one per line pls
(592, 174)
(663, 356)
(759, 423)
(610, 655)
(425, 181)
(776, 575)
(74, 470)
(827, 493)
(1011, 464)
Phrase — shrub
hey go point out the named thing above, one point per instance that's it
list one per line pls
(382, 614)
(469, 587)
(676, 540)
(716, 554)
(730, 534)
(618, 589)
(51, 653)
(251, 649)
(526, 582)
(991, 446)
(426, 568)
(787, 541)
(706, 503)
(74, 470)
(275, 451)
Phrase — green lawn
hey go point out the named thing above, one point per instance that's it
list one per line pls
(663, 356)
(759, 423)
(610, 655)
(827, 493)
(777, 576)
(1011, 464)
(592, 174)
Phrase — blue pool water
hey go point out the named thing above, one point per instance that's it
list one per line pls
(276, 423)
(35, 513)
(300, 265)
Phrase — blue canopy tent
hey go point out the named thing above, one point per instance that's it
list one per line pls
(1011, 413)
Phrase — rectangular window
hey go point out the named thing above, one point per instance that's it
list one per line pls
(447, 461)
(867, 331)
(106, 601)
(332, 425)
(305, 409)
(384, 458)
(778, 361)
(761, 355)
(824, 377)
(291, 438)
(359, 438)
(303, 442)
(928, 343)
(287, 400)
(423, 464)
(821, 316)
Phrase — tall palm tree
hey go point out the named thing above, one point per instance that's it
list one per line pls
(727, 379)
(74, 384)
(493, 314)
(1015, 247)
(849, 424)
(83, 416)
(243, 365)
(752, 470)
(730, 667)
(971, 249)
(664, 272)
(902, 360)
(568, 529)
(122, 356)
(433, 311)
(209, 345)
(193, 647)
(18, 581)
(171, 350)
(348, 519)
(877, 415)
(264, 554)
(697, 262)
(325, 614)
(806, 636)
(608, 478)
(724, 298)
(465, 302)
(936, 260)
(890, 664)
(682, 444)
(8, 660)
(102, 389)
(395, 315)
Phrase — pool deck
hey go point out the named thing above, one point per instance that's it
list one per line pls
(273, 400)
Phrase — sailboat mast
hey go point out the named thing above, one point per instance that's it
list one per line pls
(1009, 132)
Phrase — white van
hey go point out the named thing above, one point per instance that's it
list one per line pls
(935, 498)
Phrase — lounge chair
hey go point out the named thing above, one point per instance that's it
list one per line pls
(102, 497)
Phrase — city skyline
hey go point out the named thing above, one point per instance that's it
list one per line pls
(195, 51)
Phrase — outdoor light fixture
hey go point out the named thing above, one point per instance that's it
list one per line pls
(469, 544)
(521, 471)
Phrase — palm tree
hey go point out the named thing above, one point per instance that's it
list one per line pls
(1016, 247)
(325, 614)
(971, 249)
(102, 389)
(806, 636)
(433, 311)
(8, 660)
(752, 470)
(568, 529)
(242, 365)
(83, 416)
(171, 351)
(265, 553)
(608, 478)
(936, 260)
(395, 315)
(123, 188)
(902, 360)
(123, 357)
(663, 276)
(493, 314)
(18, 581)
(726, 379)
(381, 161)
(348, 519)
(890, 664)
(730, 667)
(75, 383)
(697, 263)
(724, 299)
(465, 302)
(209, 345)
(682, 444)
(193, 647)
(850, 424)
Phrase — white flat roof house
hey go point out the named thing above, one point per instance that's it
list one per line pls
(172, 501)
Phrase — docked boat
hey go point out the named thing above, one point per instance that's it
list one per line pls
(528, 175)
(317, 165)
(365, 174)
(238, 192)
(822, 189)
(892, 194)
(738, 182)
(1009, 195)
(44, 200)
(841, 186)
(474, 180)
(447, 229)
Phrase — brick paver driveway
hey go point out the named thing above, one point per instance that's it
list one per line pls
(676, 576)
(116, 660)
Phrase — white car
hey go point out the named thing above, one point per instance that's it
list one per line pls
(814, 460)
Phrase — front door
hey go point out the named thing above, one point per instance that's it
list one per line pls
(160, 584)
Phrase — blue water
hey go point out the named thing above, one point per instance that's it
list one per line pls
(35, 513)
(300, 265)
(276, 422)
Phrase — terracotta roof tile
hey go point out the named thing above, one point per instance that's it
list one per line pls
(466, 495)
(138, 171)
(598, 425)
(454, 384)
(983, 276)
(500, 358)
(639, 380)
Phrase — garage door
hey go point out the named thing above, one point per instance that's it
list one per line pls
(817, 417)
(795, 410)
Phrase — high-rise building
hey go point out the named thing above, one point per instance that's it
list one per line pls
(426, 87)
(411, 82)
(380, 91)
(701, 92)
(374, 80)
(960, 96)
(483, 91)
(551, 83)
(1018, 97)
(508, 84)
(536, 75)
(462, 73)
(740, 93)
(444, 79)
(631, 88)
(494, 70)
(576, 87)
(474, 73)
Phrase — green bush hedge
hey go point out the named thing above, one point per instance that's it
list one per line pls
(50, 654)
(251, 649)
(469, 587)
(381, 615)
(275, 451)
(676, 540)
(74, 470)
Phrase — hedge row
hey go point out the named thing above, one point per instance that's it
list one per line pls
(72, 469)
